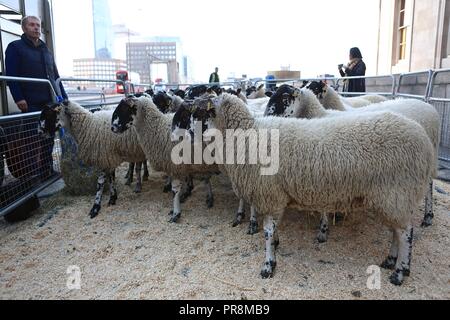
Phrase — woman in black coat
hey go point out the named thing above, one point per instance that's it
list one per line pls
(356, 67)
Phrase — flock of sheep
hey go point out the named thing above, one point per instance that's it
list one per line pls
(337, 155)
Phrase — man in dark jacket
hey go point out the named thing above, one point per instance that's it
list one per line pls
(29, 57)
(214, 77)
(356, 67)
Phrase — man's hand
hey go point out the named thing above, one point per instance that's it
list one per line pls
(22, 105)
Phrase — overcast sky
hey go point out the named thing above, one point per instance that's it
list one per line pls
(240, 37)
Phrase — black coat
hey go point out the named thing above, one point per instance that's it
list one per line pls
(23, 59)
(355, 85)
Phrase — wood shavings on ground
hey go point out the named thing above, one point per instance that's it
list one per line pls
(130, 251)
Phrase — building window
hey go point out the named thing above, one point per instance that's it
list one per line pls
(402, 31)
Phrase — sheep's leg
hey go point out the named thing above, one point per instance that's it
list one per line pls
(129, 175)
(429, 215)
(168, 185)
(391, 260)
(322, 236)
(403, 265)
(210, 195)
(186, 192)
(138, 187)
(98, 197)
(270, 261)
(253, 226)
(146, 173)
(176, 212)
(112, 188)
(240, 214)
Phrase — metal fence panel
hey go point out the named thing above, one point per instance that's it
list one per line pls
(28, 162)
(443, 109)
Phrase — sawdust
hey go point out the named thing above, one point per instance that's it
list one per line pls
(130, 251)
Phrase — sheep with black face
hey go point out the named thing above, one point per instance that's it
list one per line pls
(97, 145)
(154, 135)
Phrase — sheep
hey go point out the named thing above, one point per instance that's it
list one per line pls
(422, 113)
(378, 161)
(256, 93)
(419, 111)
(184, 119)
(97, 145)
(154, 135)
(237, 93)
(330, 99)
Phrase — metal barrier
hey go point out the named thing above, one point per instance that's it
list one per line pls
(28, 162)
(85, 98)
(389, 93)
(403, 76)
(442, 105)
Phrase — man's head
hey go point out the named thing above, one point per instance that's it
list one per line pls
(31, 26)
(217, 69)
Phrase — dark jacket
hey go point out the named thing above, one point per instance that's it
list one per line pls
(214, 78)
(23, 59)
(355, 85)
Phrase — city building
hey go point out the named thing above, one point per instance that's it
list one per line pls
(158, 58)
(413, 36)
(102, 64)
(103, 31)
(96, 68)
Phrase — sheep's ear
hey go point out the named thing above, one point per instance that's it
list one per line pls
(296, 92)
(239, 91)
(261, 86)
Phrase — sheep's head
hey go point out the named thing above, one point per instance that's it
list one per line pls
(282, 101)
(196, 91)
(319, 88)
(250, 90)
(163, 101)
(49, 121)
(124, 114)
(178, 92)
(200, 110)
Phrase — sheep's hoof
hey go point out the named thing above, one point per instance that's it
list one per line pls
(175, 217)
(397, 278)
(145, 177)
(138, 189)
(276, 244)
(94, 211)
(427, 221)
(268, 269)
(112, 200)
(252, 228)
(210, 202)
(237, 221)
(167, 188)
(128, 183)
(389, 263)
(322, 237)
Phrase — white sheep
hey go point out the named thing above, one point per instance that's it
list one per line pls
(256, 93)
(154, 135)
(376, 162)
(330, 99)
(419, 111)
(97, 145)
